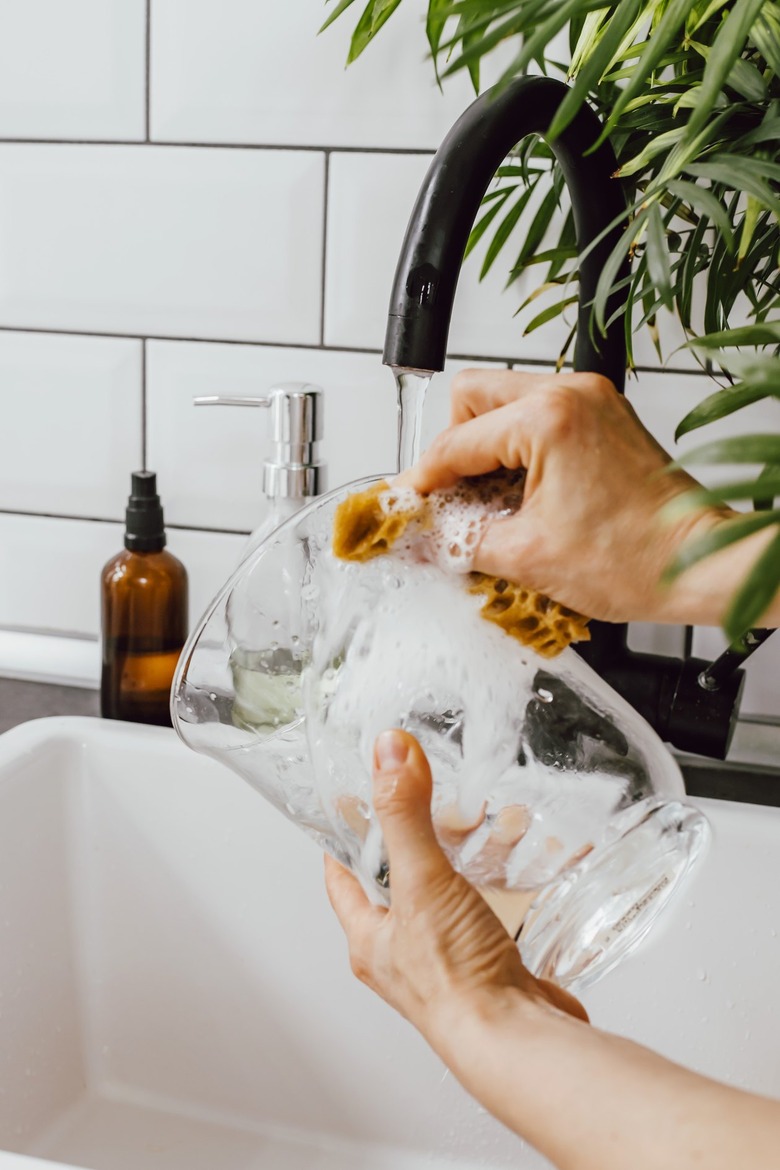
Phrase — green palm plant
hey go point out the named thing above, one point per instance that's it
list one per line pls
(688, 92)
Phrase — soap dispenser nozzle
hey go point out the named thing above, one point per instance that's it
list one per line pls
(294, 470)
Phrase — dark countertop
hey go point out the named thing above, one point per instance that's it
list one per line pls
(21, 701)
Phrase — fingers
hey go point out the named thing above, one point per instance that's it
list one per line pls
(511, 549)
(353, 909)
(402, 800)
(475, 392)
(493, 440)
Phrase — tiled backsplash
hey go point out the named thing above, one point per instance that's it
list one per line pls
(176, 177)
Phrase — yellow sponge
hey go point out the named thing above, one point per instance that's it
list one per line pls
(363, 528)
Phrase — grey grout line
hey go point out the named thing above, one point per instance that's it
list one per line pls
(49, 632)
(117, 520)
(544, 363)
(178, 144)
(323, 273)
(148, 59)
(144, 411)
(31, 514)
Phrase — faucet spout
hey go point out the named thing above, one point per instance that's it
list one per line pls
(426, 278)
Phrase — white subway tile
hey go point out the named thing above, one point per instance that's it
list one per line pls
(150, 240)
(370, 201)
(72, 70)
(209, 459)
(234, 72)
(210, 558)
(663, 399)
(72, 423)
(650, 638)
(50, 578)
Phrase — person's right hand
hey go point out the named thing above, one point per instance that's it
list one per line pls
(590, 533)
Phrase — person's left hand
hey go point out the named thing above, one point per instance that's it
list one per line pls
(439, 950)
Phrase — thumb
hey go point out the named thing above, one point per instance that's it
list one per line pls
(508, 549)
(402, 800)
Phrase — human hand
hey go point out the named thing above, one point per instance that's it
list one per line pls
(590, 533)
(439, 952)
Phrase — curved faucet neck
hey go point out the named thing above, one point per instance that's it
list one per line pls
(448, 203)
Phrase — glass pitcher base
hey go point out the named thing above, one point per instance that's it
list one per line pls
(585, 922)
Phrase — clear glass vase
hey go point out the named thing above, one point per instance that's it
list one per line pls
(547, 786)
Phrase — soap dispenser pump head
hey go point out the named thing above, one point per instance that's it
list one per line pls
(294, 470)
(144, 523)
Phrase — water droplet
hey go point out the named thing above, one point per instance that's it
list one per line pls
(702, 975)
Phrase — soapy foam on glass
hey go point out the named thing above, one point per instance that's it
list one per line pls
(446, 528)
(520, 794)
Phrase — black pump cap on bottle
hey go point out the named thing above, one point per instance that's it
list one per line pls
(144, 526)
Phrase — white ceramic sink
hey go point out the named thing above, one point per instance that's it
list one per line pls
(175, 992)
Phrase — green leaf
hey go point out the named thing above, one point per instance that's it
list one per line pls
(722, 403)
(767, 486)
(674, 16)
(468, 38)
(504, 231)
(556, 255)
(740, 174)
(767, 40)
(375, 14)
(596, 62)
(706, 203)
(535, 44)
(548, 314)
(755, 367)
(756, 594)
(590, 29)
(535, 234)
(767, 333)
(566, 248)
(539, 291)
(482, 224)
(738, 449)
(479, 48)
(703, 200)
(438, 12)
(763, 496)
(726, 48)
(768, 130)
(612, 267)
(688, 149)
(658, 144)
(657, 256)
(336, 13)
(747, 81)
(722, 536)
(749, 224)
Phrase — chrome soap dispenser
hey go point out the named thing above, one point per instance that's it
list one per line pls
(294, 473)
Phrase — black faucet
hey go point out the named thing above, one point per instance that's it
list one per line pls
(689, 703)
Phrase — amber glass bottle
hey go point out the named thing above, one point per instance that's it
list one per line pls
(144, 614)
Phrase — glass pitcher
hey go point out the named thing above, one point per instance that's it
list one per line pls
(552, 789)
